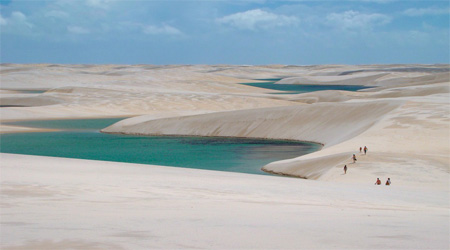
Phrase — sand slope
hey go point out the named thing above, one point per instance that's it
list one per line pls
(320, 123)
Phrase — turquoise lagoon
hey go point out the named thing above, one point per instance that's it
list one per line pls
(301, 88)
(81, 139)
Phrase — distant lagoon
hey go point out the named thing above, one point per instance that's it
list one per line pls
(300, 88)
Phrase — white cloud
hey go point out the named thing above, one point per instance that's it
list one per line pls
(56, 14)
(101, 4)
(148, 29)
(426, 11)
(17, 22)
(77, 30)
(2, 21)
(356, 20)
(161, 30)
(17, 15)
(257, 19)
(376, 1)
(19, 18)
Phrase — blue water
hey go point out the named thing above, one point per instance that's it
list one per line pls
(81, 139)
(297, 88)
(69, 124)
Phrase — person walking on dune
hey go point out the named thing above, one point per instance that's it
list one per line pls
(345, 169)
(365, 150)
(354, 158)
(378, 182)
(360, 149)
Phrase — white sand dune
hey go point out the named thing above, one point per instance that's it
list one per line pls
(360, 79)
(318, 123)
(29, 101)
(77, 204)
(54, 203)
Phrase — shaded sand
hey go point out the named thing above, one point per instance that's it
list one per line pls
(67, 203)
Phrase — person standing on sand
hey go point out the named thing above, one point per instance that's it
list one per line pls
(354, 158)
(388, 182)
(345, 169)
(365, 149)
(378, 182)
(360, 149)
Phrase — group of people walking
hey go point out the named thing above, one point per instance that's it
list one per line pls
(365, 150)
(360, 151)
(378, 182)
(354, 157)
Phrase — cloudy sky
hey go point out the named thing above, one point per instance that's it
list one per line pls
(224, 32)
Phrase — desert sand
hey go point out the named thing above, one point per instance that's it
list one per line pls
(404, 120)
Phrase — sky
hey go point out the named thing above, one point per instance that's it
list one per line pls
(251, 32)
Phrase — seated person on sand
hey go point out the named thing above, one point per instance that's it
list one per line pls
(378, 182)
(388, 182)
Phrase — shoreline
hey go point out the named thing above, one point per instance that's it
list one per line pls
(206, 136)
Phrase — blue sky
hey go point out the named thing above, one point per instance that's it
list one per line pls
(224, 32)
